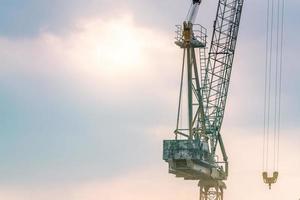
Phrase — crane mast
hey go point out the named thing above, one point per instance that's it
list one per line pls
(192, 155)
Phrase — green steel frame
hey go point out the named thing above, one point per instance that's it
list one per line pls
(219, 66)
(208, 78)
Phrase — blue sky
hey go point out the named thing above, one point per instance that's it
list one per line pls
(78, 119)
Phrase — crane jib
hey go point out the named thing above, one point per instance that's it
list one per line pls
(220, 60)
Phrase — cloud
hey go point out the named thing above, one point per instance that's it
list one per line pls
(68, 108)
(89, 91)
(153, 182)
(30, 18)
(20, 19)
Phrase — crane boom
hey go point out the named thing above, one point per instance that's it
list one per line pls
(220, 60)
(192, 14)
(219, 66)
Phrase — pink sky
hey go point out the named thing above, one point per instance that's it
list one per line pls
(124, 71)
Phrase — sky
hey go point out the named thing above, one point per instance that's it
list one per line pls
(88, 92)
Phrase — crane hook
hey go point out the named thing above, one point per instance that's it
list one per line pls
(270, 180)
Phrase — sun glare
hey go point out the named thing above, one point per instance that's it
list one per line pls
(112, 47)
(119, 46)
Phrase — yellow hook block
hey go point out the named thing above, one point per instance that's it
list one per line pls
(270, 180)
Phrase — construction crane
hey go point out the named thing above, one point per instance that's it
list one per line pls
(198, 151)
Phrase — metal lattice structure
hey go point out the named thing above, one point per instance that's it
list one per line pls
(192, 155)
(211, 193)
(220, 61)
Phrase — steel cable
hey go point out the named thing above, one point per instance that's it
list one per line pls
(266, 78)
(280, 79)
(272, 93)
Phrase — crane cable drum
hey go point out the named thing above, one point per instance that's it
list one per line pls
(273, 87)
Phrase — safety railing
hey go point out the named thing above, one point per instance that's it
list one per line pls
(199, 34)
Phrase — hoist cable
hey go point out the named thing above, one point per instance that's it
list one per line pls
(276, 85)
(266, 78)
(273, 82)
(280, 78)
(269, 81)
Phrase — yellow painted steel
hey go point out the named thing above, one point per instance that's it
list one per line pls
(270, 180)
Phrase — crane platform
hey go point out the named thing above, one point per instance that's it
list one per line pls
(198, 39)
(191, 160)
